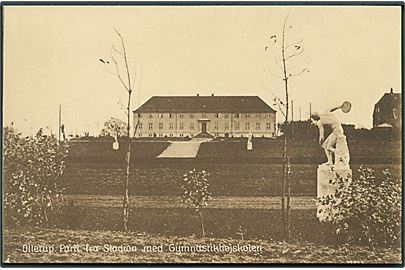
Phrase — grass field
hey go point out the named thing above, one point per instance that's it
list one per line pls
(245, 198)
(168, 215)
(176, 202)
(258, 217)
(242, 193)
(234, 151)
(267, 251)
(226, 179)
(147, 216)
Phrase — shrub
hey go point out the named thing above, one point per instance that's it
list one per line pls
(195, 191)
(114, 127)
(32, 167)
(367, 211)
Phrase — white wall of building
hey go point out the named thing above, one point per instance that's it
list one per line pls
(218, 124)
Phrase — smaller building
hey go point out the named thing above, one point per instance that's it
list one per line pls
(387, 111)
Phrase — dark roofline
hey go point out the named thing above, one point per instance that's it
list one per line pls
(265, 109)
(389, 94)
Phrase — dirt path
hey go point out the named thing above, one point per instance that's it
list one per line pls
(188, 149)
(175, 202)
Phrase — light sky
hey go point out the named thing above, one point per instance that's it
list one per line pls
(51, 57)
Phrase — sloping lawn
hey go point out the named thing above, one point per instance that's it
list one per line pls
(271, 251)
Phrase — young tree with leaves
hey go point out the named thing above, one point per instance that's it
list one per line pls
(114, 127)
(283, 52)
(195, 191)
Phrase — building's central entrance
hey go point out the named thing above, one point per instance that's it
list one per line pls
(204, 127)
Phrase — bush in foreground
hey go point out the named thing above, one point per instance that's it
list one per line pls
(366, 211)
(195, 191)
(31, 173)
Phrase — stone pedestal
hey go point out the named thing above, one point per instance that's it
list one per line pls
(326, 176)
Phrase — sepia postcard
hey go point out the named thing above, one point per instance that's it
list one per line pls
(202, 133)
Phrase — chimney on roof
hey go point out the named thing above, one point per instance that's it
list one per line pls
(212, 95)
(198, 95)
(392, 90)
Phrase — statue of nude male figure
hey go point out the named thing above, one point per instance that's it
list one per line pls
(335, 143)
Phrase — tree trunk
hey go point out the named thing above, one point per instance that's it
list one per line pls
(288, 235)
(285, 214)
(283, 218)
(288, 132)
(202, 223)
(127, 86)
(126, 187)
(127, 172)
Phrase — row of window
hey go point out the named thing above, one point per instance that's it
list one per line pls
(236, 126)
(247, 126)
(204, 115)
(162, 135)
(171, 126)
(216, 135)
(192, 135)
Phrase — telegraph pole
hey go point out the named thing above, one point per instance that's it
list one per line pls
(60, 120)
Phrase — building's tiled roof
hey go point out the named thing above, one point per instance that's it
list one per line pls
(390, 97)
(217, 104)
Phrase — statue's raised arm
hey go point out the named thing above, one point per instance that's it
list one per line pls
(335, 108)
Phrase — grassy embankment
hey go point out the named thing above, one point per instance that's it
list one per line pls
(234, 151)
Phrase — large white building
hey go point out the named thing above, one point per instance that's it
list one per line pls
(218, 116)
